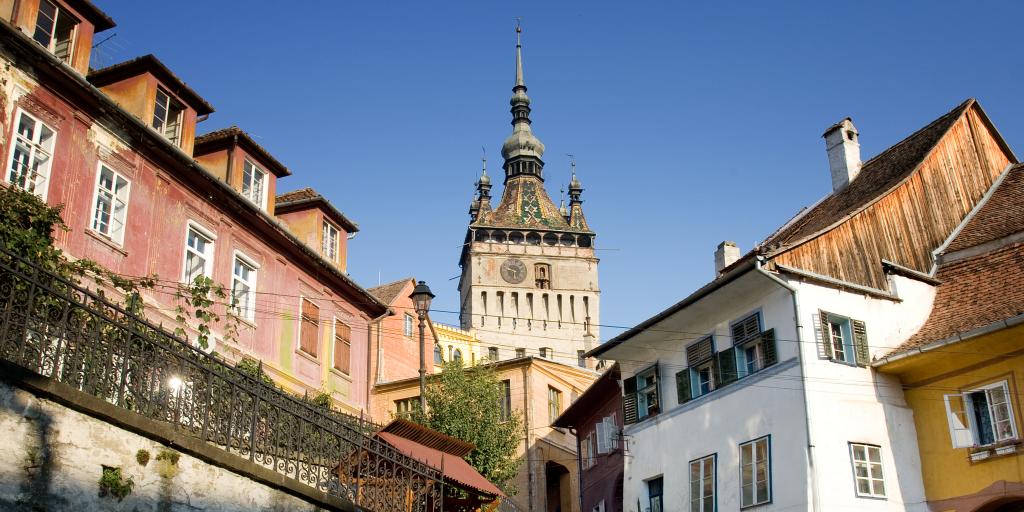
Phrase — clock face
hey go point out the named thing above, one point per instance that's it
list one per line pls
(513, 271)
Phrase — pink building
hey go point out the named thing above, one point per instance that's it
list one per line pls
(144, 195)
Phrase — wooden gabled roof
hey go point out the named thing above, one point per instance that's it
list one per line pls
(877, 176)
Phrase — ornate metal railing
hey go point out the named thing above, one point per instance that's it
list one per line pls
(68, 333)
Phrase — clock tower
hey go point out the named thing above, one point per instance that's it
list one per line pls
(529, 274)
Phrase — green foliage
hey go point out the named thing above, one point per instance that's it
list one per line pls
(196, 301)
(142, 457)
(321, 399)
(465, 403)
(170, 456)
(113, 484)
(252, 368)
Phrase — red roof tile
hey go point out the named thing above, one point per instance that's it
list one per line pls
(451, 466)
(1000, 216)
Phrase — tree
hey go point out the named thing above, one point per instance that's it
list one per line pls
(466, 403)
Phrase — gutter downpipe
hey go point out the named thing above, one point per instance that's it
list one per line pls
(815, 502)
(579, 464)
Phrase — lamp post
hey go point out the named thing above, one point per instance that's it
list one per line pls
(421, 297)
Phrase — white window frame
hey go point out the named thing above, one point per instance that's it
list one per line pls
(248, 311)
(869, 467)
(407, 325)
(753, 472)
(117, 238)
(599, 507)
(174, 136)
(644, 394)
(255, 170)
(37, 186)
(51, 46)
(207, 258)
(587, 447)
(697, 501)
(330, 245)
(962, 428)
(849, 348)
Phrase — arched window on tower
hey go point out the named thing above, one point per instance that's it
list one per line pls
(438, 358)
(542, 275)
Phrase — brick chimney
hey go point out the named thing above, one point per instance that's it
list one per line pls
(843, 153)
(726, 254)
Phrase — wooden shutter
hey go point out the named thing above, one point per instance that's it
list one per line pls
(342, 346)
(309, 328)
(725, 367)
(746, 329)
(959, 421)
(860, 343)
(657, 393)
(629, 401)
(700, 352)
(683, 386)
(826, 333)
(771, 354)
(602, 437)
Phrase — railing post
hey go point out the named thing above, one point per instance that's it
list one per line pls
(29, 306)
(255, 414)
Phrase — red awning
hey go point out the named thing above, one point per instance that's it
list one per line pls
(455, 468)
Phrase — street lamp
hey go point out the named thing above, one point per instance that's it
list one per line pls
(421, 297)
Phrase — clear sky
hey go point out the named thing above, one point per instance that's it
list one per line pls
(691, 123)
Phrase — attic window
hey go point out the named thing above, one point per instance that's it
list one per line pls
(254, 184)
(849, 134)
(330, 242)
(167, 116)
(55, 30)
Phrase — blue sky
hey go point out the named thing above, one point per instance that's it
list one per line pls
(691, 123)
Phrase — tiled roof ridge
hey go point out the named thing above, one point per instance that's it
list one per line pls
(223, 133)
(388, 292)
(149, 59)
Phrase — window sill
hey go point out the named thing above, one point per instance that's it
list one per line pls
(106, 241)
(994, 451)
(308, 356)
(340, 374)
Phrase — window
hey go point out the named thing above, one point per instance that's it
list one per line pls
(309, 327)
(641, 397)
(844, 340)
(755, 472)
(342, 346)
(254, 184)
(554, 404)
(438, 357)
(198, 254)
(981, 416)
(457, 356)
(587, 451)
(542, 275)
(520, 352)
(243, 288)
(506, 400)
(654, 490)
(167, 116)
(545, 352)
(607, 434)
(492, 353)
(330, 242)
(867, 470)
(580, 359)
(31, 155)
(599, 507)
(405, 407)
(702, 484)
(110, 204)
(55, 30)
(407, 325)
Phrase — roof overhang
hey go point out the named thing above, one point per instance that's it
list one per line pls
(226, 138)
(150, 64)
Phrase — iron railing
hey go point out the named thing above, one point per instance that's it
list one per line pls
(66, 332)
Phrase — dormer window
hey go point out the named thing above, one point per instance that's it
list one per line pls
(55, 30)
(330, 242)
(167, 116)
(254, 182)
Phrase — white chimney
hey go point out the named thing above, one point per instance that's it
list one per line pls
(843, 153)
(726, 254)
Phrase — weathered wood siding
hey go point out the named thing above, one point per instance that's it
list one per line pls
(914, 219)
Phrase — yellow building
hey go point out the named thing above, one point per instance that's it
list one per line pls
(963, 372)
(454, 343)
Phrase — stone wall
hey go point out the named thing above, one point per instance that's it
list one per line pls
(53, 458)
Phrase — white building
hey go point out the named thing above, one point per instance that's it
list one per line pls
(756, 390)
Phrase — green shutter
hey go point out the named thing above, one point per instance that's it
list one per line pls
(683, 386)
(629, 401)
(771, 354)
(826, 333)
(860, 343)
(657, 391)
(725, 367)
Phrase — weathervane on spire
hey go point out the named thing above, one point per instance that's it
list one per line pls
(483, 159)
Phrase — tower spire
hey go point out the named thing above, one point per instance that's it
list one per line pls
(522, 150)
